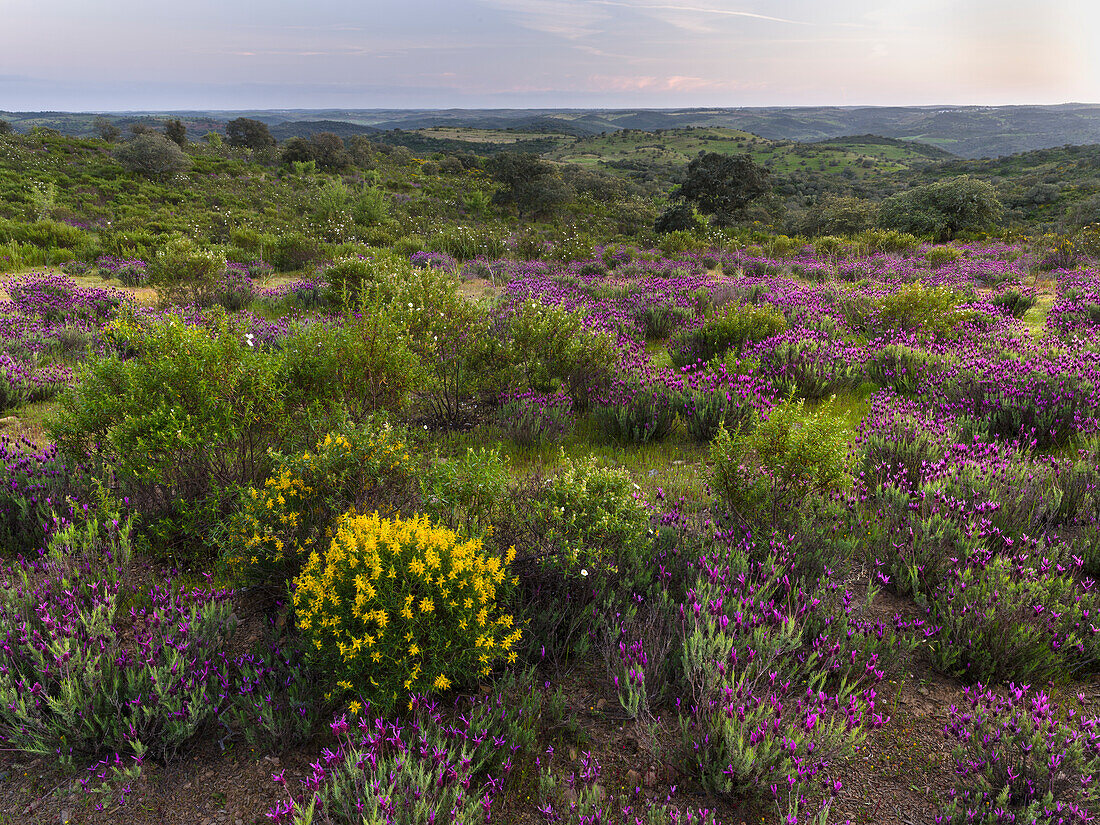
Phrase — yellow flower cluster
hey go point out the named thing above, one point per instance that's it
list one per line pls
(281, 522)
(404, 606)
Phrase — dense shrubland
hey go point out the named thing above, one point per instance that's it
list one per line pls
(439, 460)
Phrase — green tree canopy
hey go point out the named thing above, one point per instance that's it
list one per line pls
(942, 209)
(154, 156)
(722, 185)
(247, 133)
(532, 184)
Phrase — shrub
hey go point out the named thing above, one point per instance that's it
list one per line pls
(183, 272)
(421, 768)
(1014, 302)
(361, 362)
(533, 420)
(1020, 758)
(38, 488)
(731, 327)
(658, 320)
(368, 279)
(277, 525)
(770, 469)
(175, 426)
(1005, 619)
(154, 156)
(636, 414)
(919, 307)
(275, 703)
(465, 492)
(74, 682)
(592, 511)
(903, 369)
(404, 606)
(292, 251)
(553, 350)
(462, 360)
(766, 718)
(807, 368)
(938, 256)
(888, 241)
(705, 412)
(232, 291)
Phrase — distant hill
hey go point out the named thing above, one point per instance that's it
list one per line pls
(305, 128)
(965, 131)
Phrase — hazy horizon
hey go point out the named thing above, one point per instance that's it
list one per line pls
(127, 55)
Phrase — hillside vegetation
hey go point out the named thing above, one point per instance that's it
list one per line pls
(342, 485)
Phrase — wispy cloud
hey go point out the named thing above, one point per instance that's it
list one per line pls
(679, 7)
(572, 19)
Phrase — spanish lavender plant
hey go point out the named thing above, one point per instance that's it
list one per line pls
(1021, 758)
(80, 676)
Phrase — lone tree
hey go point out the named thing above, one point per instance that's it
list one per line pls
(326, 149)
(248, 133)
(176, 132)
(154, 156)
(106, 130)
(722, 185)
(942, 209)
(534, 185)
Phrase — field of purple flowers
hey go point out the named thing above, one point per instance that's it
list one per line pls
(784, 536)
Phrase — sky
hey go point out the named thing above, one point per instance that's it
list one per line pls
(118, 55)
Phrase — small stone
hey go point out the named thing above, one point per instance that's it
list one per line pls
(650, 778)
(601, 704)
(923, 691)
(572, 754)
(633, 778)
(65, 817)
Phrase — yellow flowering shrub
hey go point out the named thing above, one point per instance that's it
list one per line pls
(291, 514)
(402, 606)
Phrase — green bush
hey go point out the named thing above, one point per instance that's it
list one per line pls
(768, 471)
(919, 307)
(903, 369)
(1014, 302)
(361, 363)
(396, 607)
(636, 414)
(177, 424)
(938, 256)
(183, 271)
(592, 512)
(658, 320)
(79, 689)
(990, 632)
(463, 361)
(887, 241)
(374, 277)
(730, 328)
(466, 492)
(552, 349)
(291, 251)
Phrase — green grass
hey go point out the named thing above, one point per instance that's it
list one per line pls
(677, 465)
(1036, 317)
